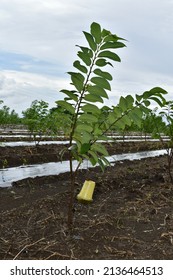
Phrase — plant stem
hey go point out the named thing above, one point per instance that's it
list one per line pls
(73, 173)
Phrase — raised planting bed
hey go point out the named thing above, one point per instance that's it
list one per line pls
(131, 216)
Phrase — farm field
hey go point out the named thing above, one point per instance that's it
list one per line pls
(130, 217)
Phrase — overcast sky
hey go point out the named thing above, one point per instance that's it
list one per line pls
(38, 38)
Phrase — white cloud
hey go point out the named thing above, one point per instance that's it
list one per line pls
(19, 89)
(48, 30)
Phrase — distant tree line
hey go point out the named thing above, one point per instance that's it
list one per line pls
(41, 120)
(8, 116)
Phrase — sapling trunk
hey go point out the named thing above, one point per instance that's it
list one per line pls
(71, 196)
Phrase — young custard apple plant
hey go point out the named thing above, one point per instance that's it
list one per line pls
(91, 85)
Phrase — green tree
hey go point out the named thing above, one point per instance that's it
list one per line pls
(36, 118)
(152, 123)
(166, 128)
(89, 124)
(59, 121)
(7, 116)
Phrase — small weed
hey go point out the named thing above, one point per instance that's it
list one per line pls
(4, 163)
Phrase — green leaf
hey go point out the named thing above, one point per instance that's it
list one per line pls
(101, 82)
(98, 91)
(110, 55)
(112, 118)
(94, 157)
(136, 116)
(82, 137)
(117, 111)
(88, 118)
(85, 58)
(70, 94)
(96, 32)
(101, 164)
(78, 138)
(103, 74)
(93, 98)
(126, 119)
(84, 127)
(102, 62)
(130, 101)
(120, 124)
(112, 45)
(87, 51)
(123, 104)
(106, 162)
(99, 148)
(112, 38)
(90, 40)
(92, 109)
(85, 148)
(158, 90)
(97, 131)
(77, 80)
(146, 103)
(105, 33)
(66, 106)
(138, 97)
(157, 100)
(80, 67)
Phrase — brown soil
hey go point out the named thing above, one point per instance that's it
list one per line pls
(131, 216)
(24, 155)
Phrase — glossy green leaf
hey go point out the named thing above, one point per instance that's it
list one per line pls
(138, 97)
(94, 156)
(77, 80)
(85, 148)
(146, 103)
(102, 62)
(90, 40)
(84, 127)
(80, 67)
(126, 119)
(117, 111)
(123, 104)
(91, 108)
(100, 148)
(105, 33)
(97, 131)
(88, 118)
(112, 45)
(106, 162)
(136, 116)
(112, 118)
(97, 90)
(86, 50)
(101, 82)
(157, 100)
(85, 58)
(130, 101)
(66, 106)
(112, 38)
(86, 137)
(96, 32)
(70, 94)
(158, 90)
(103, 74)
(110, 55)
(93, 98)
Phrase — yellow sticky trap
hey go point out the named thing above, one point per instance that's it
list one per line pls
(86, 192)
